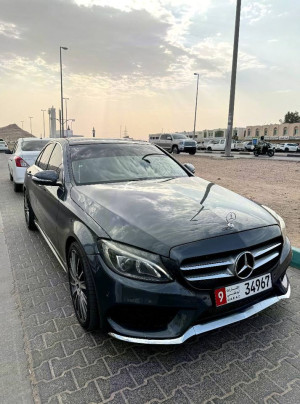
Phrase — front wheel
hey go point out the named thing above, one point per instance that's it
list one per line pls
(286, 149)
(82, 288)
(28, 212)
(270, 153)
(192, 152)
(175, 150)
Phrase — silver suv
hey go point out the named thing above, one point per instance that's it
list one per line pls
(175, 143)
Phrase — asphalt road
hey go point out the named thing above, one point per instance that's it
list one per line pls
(257, 360)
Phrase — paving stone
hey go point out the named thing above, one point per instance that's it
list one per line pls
(83, 342)
(125, 359)
(65, 334)
(178, 398)
(144, 394)
(145, 370)
(259, 389)
(253, 364)
(181, 354)
(223, 357)
(170, 381)
(230, 377)
(59, 366)
(203, 391)
(91, 372)
(282, 374)
(115, 383)
(55, 386)
(41, 329)
(88, 394)
(276, 352)
(98, 352)
(202, 367)
(43, 372)
(238, 396)
(56, 351)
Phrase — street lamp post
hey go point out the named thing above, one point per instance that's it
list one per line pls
(66, 99)
(61, 92)
(30, 117)
(196, 74)
(43, 111)
(22, 123)
(233, 79)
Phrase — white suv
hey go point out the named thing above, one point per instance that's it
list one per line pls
(218, 145)
(22, 156)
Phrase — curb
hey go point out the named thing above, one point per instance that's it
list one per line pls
(296, 258)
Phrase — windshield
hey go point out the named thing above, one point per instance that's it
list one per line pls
(33, 145)
(103, 163)
(179, 137)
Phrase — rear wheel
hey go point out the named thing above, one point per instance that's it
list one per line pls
(10, 176)
(18, 187)
(82, 288)
(28, 212)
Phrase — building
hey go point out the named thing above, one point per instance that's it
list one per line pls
(274, 132)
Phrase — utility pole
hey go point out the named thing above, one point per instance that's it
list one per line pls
(233, 79)
(30, 124)
(22, 123)
(61, 93)
(196, 74)
(43, 111)
(66, 99)
(94, 132)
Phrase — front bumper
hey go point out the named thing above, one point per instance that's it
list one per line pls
(170, 313)
(187, 149)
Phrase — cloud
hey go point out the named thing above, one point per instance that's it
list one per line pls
(254, 11)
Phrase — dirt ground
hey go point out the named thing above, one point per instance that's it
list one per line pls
(272, 183)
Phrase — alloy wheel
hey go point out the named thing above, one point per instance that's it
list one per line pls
(78, 286)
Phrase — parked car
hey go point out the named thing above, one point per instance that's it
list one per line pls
(3, 146)
(216, 145)
(153, 254)
(238, 146)
(22, 156)
(175, 143)
(249, 146)
(287, 147)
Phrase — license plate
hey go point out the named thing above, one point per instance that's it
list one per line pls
(242, 290)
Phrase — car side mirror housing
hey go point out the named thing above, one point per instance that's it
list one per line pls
(46, 177)
(8, 151)
(190, 167)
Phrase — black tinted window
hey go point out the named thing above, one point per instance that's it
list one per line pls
(100, 163)
(33, 145)
(43, 163)
(55, 161)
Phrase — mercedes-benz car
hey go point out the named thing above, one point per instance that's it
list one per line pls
(153, 253)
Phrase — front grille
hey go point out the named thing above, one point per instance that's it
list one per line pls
(213, 271)
(189, 144)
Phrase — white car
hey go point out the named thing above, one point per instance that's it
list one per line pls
(22, 156)
(3, 146)
(287, 147)
(249, 146)
(218, 145)
(239, 146)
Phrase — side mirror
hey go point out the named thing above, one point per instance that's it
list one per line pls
(190, 167)
(8, 151)
(46, 177)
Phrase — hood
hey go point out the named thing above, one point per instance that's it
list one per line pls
(159, 215)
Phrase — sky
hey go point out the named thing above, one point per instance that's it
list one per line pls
(131, 63)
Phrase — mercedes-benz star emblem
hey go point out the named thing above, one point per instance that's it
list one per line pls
(230, 219)
(244, 265)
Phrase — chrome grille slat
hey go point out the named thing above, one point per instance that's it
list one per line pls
(208, 265)
(223, 267)
(258, 253)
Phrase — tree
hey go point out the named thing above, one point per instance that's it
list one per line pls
(292, 117)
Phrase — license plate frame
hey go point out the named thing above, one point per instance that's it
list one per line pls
(239, 291)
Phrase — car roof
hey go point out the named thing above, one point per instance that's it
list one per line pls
(86, 140)
(31, 138)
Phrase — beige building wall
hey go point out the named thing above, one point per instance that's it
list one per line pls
(283, 131)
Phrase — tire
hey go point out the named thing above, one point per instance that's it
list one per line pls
(28, 212)
(175, 150)
(10, 176)
(192, 152)
(18, 187)
(286, 149)
(82, 288)
(270, 153)
(209, 149)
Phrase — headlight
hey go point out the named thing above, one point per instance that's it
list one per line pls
(132, 262)
(181, 142)
(279, 220)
